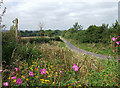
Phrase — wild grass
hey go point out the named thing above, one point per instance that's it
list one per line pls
(99, 48)
(58, 61)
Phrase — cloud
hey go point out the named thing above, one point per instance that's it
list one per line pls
(60, 14)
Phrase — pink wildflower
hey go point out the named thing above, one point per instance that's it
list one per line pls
(117, 42)
(30, 73)
(14, 77)
(118, 59)
(75, 68)
(19, 81)
(113, 38)
(36, 68)
(16, 69)
(74, 64)
(5, 83)
(113, 50)
(40, 63)
(18, 39)
(118, 36)
(61, 72)
(43, 71)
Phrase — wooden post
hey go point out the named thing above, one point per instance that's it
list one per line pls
(16, 27)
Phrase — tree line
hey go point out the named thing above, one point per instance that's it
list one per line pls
(94, 33)
(49, 32)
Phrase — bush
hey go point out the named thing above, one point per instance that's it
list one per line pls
(8, 45)
(57, 39)
(40, 40)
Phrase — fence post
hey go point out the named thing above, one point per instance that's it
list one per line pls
(16, 27)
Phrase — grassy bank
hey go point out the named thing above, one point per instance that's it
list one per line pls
(58, 63)
(98, 48)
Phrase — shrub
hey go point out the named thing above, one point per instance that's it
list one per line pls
(40, 40)
(27, 52)
(8, 45)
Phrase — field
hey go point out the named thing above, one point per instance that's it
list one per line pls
(53, 64)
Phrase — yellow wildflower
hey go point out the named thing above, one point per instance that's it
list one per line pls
(23, 76)
(51, 71)
(14, 80)
(47, 72)
(43, 82)
(27, 79)
(49, 76)
(79, 85)
(42, 79)
(47, 80)
(9, 78)
(53, 83)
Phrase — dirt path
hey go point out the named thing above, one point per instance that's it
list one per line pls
(84, 51)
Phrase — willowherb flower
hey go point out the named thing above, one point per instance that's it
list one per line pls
(61, 72)
(117, 43)
(75, 68)
(43, 71)
(113, 38)
(36, 68)
(14, 77)
(5, 83)
(113, 50)
(16, 69)
(74, 64)
(119, 60)
(18, 39)
(40, 63)
(18, 81)
(30, 73)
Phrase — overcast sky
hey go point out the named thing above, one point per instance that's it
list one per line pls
(60, 14)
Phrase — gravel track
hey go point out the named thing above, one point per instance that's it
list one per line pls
(78, 50)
